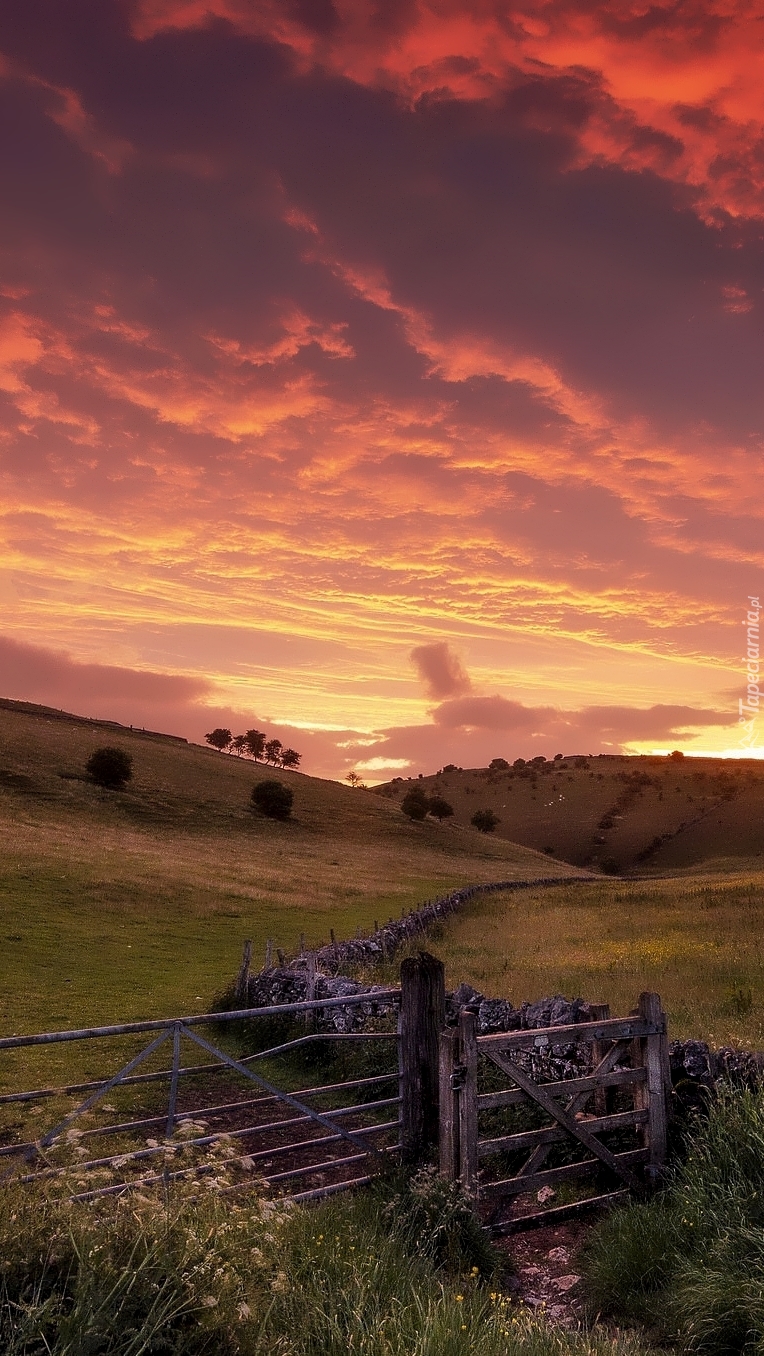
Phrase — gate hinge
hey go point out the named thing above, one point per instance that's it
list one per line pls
(458, 1077)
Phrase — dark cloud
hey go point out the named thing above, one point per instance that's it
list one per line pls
(30, 673)
(441, 671)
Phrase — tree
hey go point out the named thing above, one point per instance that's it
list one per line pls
(255, 742)
(415, 804)
(677, 755)
(439, 808)
(219, 738)
(290, 758)
(110, 767)
(484, 820)
(498, 765)
(272, 751)
(353, 778)
(239, 744)
(272, 798)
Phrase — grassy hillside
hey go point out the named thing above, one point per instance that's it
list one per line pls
(697, 939)
(122, 905)
(620, 813)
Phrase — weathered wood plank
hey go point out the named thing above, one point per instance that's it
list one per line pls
(515, 1186)
(616, 1028)
(576, 1128)
(449, 1104)
(468, 1118)
(552, 1134)
(650, 1008)
(558, 1213)
(514, 1097)
(423, 1017)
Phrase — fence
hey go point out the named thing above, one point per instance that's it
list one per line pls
(318, 1135)
(626, 1063)
(315, 1140)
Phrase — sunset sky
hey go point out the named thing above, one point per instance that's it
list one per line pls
(385, 375)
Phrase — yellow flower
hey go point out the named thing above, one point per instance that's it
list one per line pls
(459, 1299)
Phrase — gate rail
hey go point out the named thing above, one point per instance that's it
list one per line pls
(629, 1055)
(368, 1143)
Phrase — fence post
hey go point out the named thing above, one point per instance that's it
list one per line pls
(599, 1012)
(423, 1016)
(468, 1112)
(243, 976)
(448, 1137)
(655, 1060)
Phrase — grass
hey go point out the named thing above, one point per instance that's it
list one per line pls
(697, 940)
(233, 1276)
(691, 1262)
(125, 905)
(618, 812)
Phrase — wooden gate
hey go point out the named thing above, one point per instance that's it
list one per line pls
(606, 1116)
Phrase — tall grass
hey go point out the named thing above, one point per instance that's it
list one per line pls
(399, 1272)
(692, 1261)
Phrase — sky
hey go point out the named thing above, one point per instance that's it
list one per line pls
(385, 374)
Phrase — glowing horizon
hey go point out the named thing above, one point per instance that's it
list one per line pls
(335, 336)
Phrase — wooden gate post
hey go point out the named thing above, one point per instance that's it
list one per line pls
(468, 1109)
(423, 1017)
(655, 1060)
(450, 1078)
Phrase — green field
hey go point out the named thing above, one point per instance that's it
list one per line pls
(696, 939)
(126, 905)
(622, 813)
(123, 905)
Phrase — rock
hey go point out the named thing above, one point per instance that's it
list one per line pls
(565, 1283)
(545, 1194)
(560, 1255)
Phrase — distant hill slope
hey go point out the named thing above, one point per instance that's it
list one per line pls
(615, 813)
(136, 903)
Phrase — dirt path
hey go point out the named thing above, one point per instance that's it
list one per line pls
(546, 1274)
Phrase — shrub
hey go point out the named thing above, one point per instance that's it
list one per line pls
(498, 765)
(439, 808)
(415, 804)
(484, 820)
(110, 767)
(272, 798)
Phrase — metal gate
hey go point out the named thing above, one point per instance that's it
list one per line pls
(318, 1139)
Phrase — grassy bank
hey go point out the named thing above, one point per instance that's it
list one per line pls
(698, 940)
(396, 1273)
(690, 1264)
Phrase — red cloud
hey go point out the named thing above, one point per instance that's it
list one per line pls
(674, 89)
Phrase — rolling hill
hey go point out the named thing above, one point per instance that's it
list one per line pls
(613, 813)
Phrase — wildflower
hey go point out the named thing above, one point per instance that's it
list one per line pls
(459, 1299)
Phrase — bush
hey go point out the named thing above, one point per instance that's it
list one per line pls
(439, 808)
(415, 804)
(110, 767)
(484, 820)
(272, 798)
(498, 765)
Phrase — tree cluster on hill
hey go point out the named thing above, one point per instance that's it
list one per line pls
(254, 744)
(418, 805)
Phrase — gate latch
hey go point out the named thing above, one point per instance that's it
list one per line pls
(458, 1077)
